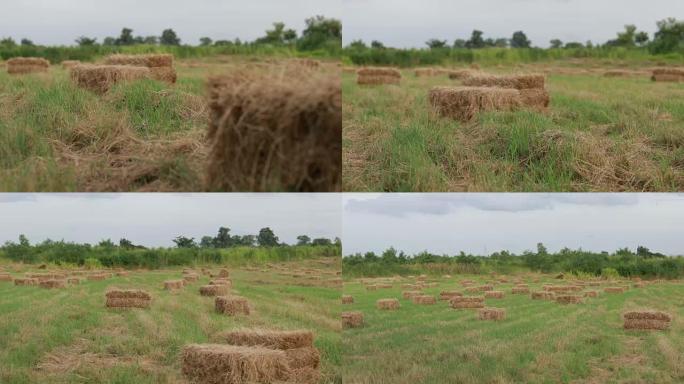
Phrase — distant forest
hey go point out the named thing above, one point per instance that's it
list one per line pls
(623, 262)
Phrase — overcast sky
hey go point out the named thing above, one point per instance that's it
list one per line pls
(409, 23)
(485, 223)
(60, 22)
(154, 219)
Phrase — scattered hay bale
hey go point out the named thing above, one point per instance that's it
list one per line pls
(305, 357)
(472, 289)
(535, 98)
(639, 284)
(467, 302)
(387, 304)
(127, 298)
(5, 277)
(520, 290)
(191, 277)
(223, 273)
(542, 295)
(410, 294)
(150, 61)
(348, 70)
(74, 281)
(668, 74)
(232, 305)
(352, 319)
(591, 294)
(569, 299)
(269, 338)
(122, 273)
(421, 72)
(558, 288)
(275, 132)
(491, 313)
(24, 65)
(646, 320)
(307, 63)
(97, 276)
(463, 103)
(385, 286)
(164, 74)
(614, 289)
(460, 74)
(26, 281)
(226, 282)
(424, 300)
(68, 64)
(101, 78)
(377, 76)
(532, 81)
(494, 295)
(170, 285)
(371, 287)
(53, 283)
(214, 290)
(347, 299)
(447, 295)
(230, 364)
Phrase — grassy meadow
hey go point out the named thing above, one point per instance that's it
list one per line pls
(599, 134)
(141, 136)
(68, 336)
(539, 341)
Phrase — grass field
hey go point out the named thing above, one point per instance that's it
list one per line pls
(539, 341)
(142, 136)
(600, 134)
(68, 336)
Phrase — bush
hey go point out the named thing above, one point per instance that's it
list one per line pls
(92, 263)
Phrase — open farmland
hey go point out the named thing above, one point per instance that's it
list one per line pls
(122, 130)
(538, 341)
(67, 335)
(608, 127)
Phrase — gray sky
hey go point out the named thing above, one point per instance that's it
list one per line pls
(59, 22)
(479, 223)
(154, 219)
(409, 23)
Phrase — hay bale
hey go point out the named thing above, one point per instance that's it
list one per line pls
(410, 294)
(494, 295)
(647, 315)
(568, 299)
(164, 74)
(305, 357)
(26, 281)
(214, 290)
(385, 286)
(378, 76)
(101, 78)
(447, 295)
(223, 273)
(230, 364)
(591, 294)
(463, 103)
(275, 133)
(348, 70)
(668, 74)
(520, 290)
(352, 319)
(421, 72)
(190, 278)
(68, 64)
(491, 313)
(122, 273)
(127, 298)
(232, 305)
(387, 304)
(532, 81)
(5, 277)
(170, 285)
(97, 276)
(424, 300)
(269, 338)
(535, 98)
(347, 299)
(226, 282)
(542, 295)
(467, 302)
(24, 65)
(668, 78)
(53, 283)
(379, 71)
(647, 320)
(460, 74)
(74, 280)
(150, 60)
(614, 289)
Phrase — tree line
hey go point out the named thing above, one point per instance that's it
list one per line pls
(623, 262)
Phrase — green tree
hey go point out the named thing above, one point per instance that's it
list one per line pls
(641, 38)
(303, 240)
(84, 41)
(107, 243)
(459, 43)
(125, 243)
(669, 38)
(207, 242)
(289, 36)
(520, 40)
(126, 37)
(24, 241)
(8, 42)
(321, 241)
(320, 32)
(375, 44)
(476, 41)
(27, 43)
(151, 40)
(185, 242)
(267, 238)
(109, 41)
(169, 37)
(223, 239)
(435, 43)
(556, 43)
(205, 41)
(358, 44)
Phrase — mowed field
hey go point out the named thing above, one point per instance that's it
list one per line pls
(599, 134)
(540, 341)
(140, 136)
(68, 336)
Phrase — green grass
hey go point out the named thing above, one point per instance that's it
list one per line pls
(538, 342)
(68, 336)
(600, 134)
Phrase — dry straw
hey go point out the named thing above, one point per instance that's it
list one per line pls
(387, 304)
(520, 290)
(5, 277)
(533, 81)
(424, 300)
(127, 298)
(542, 295)
(53, 283)
(647, 320)
(74, 280)
(347, 299)
(170, 285)
(378, 76)
(68, 64)
(447, 295)
(275, 131)
(232, 305)
(191, 277)
(461, 74)
(101, 78)
(591, 294)
(23, 65)
(26, 281)
(614, 289)
(269, 338)
(569, 299)
(463, 103)
(490, 313)
(352, 319)
(151, 61)
(214, 290)
(668, 74)
(221, 281)
(467, 302)
(494, 295)
(410, 294)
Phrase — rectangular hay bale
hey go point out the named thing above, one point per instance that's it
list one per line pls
(101, 78)
(387, 304)
(352, 319)
(232, 305)
(269, 338)
(214, 290)
(464, 103)
(491, 313)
